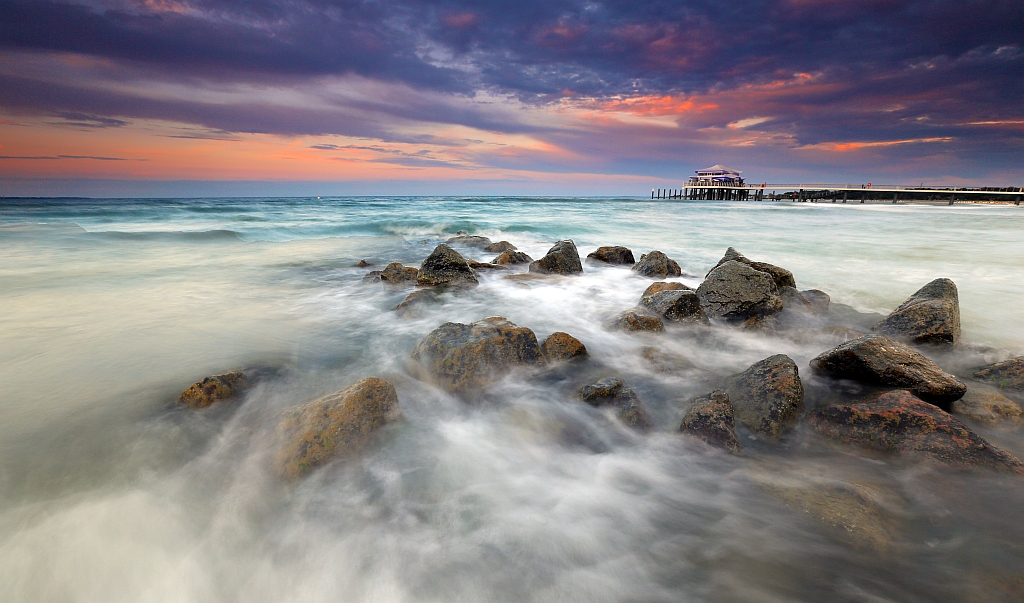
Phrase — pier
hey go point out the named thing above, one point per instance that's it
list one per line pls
(837, 193)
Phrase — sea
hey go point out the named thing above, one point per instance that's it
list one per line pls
(110, 491)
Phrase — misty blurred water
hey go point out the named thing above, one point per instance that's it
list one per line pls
(108, 492)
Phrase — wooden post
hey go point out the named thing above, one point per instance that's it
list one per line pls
(952, 197)
(863, 196)
(895, 197)
(845, 195)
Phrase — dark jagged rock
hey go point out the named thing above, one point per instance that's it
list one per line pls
(638, 320)
(469, 240)
(397, 274)
(665, 362)
(929, 316)
(657, 265)
(768, 395)
(711, 419)
(462, 358)
(880, 360)
(512, 258)
(363, 264)
(618, 256)
(614, 392)
(485, 266)
(987, 406)
(447, 268)
(562, 258)
(500, 247)
(335, 424)
(563, 346)
(660, 286)
(781, 276)
(1008, 374)
(735, 291)
(793, 299)
(214, 388)
(676, 306)
(818, 299)
(898, 422)
(372, 276)
(412, 305)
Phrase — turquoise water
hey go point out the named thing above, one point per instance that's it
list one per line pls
(108, 492)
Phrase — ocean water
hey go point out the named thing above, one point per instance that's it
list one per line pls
(109, 492)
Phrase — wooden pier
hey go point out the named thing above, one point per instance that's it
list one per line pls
(840, 193)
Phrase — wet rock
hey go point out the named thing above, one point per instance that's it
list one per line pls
(462, 358)
(613, 392)
(676, 306)
(638, 320)
(469, 240)
(372, 276)
(711, 419)
(362, 264)
(214, 388)
(768, 395)
(767, 325)
(485, 266)
(842, 315)
(879, 360)
(562, 258)
(618, 256)
(987, 406)
(1008, 374)
(413, 304)
(397, 274)
(665, 362)
(530, 277)
(735, 291)
(336, 424)
(898, 422)
(660, 286)
(929, 316)
(447, 268)
(781, 276)
(500, 247)
(512, 258)
(657, 265)
(818, 299)
(561, 346)
(793, 299)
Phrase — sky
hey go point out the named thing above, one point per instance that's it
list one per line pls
(335, 97)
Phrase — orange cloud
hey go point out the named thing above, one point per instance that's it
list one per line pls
(854, 146)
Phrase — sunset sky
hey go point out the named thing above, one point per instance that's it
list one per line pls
(226, 97)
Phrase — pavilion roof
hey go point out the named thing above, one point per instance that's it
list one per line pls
(719, 168)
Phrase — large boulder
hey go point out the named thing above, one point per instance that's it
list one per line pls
(930, 316)
(767, 396)
(735, 291)
(657, 265)
(341, 422)
(511, 257)
(711, 419)
(781, 276)
(638, 319)
(619, 256)
(898, 422)
(469, 240)
(212, 389)
(1008, 374)
(500, 247)
(613, 392)
(445, 267)
(660, 286)
(561, 346)
(397, 274)
(880, 360)
(463, 358)
(987, 406)
(676, 306)
(562, 258)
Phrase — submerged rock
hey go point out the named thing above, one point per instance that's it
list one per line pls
(446, 267)
(657, 265)
(342, 422)
(614, 392)
(618, 256)
(212, 389)
(363, 264)
(898, 422)
(1008, 374)
(660, 286)
(711, 419)
(485, 266)
(397, 274)
(638, 320)
(781, 276)
(879, 360)
(512, 258)
(469, 240)
(412, 305)
(561, 346)
(736, 291)
(372, 276)
(500, 247)
(562, 258)
(462, 358)
(929, 316)
(987, 406)
(818, 299)
(665, 362)
(676, 306)
(767, 396)
(793, 299)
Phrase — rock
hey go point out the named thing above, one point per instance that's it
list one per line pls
(665, 362)
(372, 276)
(530, 277)
(463, 358)
(212, 389)
(818, 299)
(500, 247)
(841, 334)
(768, 395)
(619, 256)
(563, 346)
(879, 360)
(657, 265)
(469, 240)
(613, 392)
(638, 320)
(930, 316)
(898, 422)
(852, 510)
(512, 257)
(767, 325)
(1008, 374)
(484, 266)
(397, 274)
(339, 423)
(412, 305)
(987, 406)
(781, 276)
(660, 286)
(363, 264)
(676, 306)
(711, 419)
(445, 267)
(561, 259)
(736, 291)
(793, 299)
